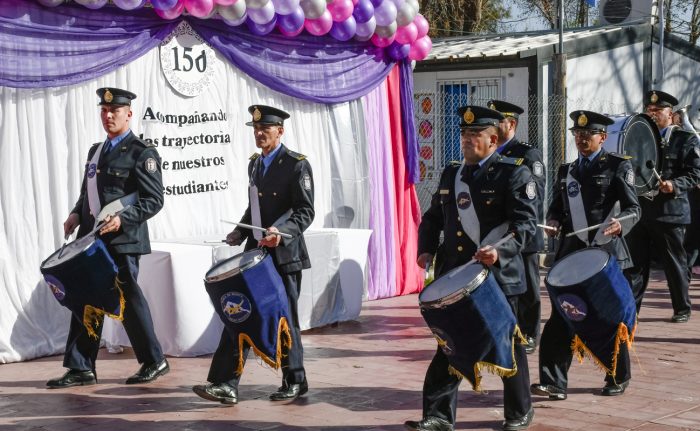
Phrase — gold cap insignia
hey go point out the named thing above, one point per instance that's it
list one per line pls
(582, 120)
(257, 115)
(108, 96)
(492, 106)
(468, 116)
(654, 97)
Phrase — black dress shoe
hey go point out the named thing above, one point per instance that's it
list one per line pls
(73, 378)
(288, 392)
(550, 391)
(221, 392)
(613, 389)
(531, 345)
(430, 423)
(519, 424)
(149, 373)
(680, 318)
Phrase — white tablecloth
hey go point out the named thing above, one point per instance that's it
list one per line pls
(185, 322)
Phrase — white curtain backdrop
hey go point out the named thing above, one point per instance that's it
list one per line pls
(45, 135)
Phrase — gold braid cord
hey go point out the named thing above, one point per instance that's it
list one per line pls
(493, 368)
(284, 337)
(579, 349)
(93, 316)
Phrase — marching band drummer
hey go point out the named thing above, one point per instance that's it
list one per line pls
(117, 167)
(282, 200)
(587, 192)
(498, 194)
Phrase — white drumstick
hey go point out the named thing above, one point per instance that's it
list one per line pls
(250, 226)
(589, 228)
(496, 245)
(651, 165)
(544, 226)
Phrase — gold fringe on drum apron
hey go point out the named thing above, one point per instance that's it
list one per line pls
(95, 316)
(276, 363)
(579, 349)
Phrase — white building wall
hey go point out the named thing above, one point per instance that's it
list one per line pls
(681, 77)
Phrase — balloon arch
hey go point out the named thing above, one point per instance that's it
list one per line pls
(392, 24)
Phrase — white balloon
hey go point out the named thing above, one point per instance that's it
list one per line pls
(262, 15)
(234, 14)
(51, 3)
(92, 4)
(313, 8)
(405, 15)
(386, 30)
(256, 4)
(414, 3)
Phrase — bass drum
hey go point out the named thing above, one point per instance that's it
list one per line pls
(638, 137)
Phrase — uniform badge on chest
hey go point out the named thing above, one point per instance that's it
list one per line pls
(464, 200)
(92, 170)
(573, 189)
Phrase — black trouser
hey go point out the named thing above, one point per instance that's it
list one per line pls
(667, 240)
(440, 387)
(556, 355)
(81, 349)
(226, 358)
(691, 242)
(529, 306)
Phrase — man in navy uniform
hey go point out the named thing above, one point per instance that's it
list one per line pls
(604, 180)
(503, 193)
(665, 215)
(509, 146)
(285, 193)
(117, 167)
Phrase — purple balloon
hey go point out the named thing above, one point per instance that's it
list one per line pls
(376, 3)
(261, 29)
(290, 24)
(344, 30)
(398, 51)
(285, 7)
(364, 10)
(163, 4)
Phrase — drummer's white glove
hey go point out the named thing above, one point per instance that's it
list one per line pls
(555, 225)
(234, 238)
(424, 259)
(270, 240)
(70, 224)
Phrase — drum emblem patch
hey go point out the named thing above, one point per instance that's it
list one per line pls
(573, 307)
(444, 341)
(531, 190)
(236, 306)
(573, 189)
(629, 177)
(464, 200)
(92, 169)
(56, 287)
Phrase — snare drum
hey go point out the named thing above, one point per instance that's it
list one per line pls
(638, 137)
(83, 278)
(248, 295)
(472, 321)
(590, 292)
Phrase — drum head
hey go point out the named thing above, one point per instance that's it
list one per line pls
(462, 277)
(68, 252)
(638, 137)
(235, 265)
(577, 267)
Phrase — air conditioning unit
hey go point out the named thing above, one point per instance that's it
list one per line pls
(626, 11)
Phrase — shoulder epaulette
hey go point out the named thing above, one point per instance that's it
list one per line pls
(511, 161)
(454, 163)
(620, 156)
(525, 144)
(254, 156)
(296, 155)
(143, 143)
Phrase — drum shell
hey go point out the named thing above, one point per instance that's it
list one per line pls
(264, 302)
(88, 278)
(476, 328)
(638, 137)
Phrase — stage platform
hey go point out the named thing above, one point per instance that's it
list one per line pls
(172, 278)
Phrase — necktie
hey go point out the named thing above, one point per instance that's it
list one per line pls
(469, 172)
(584, 165)
(108, 147)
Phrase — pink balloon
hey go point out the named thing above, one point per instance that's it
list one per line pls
(320, 25)
(340, 9)
(407, 34)
(199, 8)
(382, 42)
(421, 24)
(172, 13)
(225, 2)
(354, 2)
(420, 48)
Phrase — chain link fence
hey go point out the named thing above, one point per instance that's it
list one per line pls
(544, 125)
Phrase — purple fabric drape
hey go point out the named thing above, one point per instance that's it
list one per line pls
(408, 122)
(48, 47)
